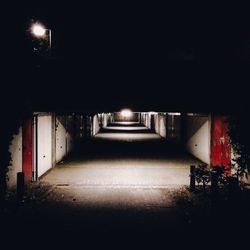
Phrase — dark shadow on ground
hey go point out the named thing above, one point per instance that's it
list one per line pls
(193, 221)
(134, 143)
(117, 149)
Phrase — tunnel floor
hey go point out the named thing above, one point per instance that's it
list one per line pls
(123, 168)
(129, 157)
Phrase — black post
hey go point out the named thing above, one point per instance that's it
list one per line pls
(192, 178)
(20, 186)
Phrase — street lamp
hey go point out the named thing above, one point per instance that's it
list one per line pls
(39, 31)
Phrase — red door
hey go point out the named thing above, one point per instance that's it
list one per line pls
(220, 143)
(27, 146)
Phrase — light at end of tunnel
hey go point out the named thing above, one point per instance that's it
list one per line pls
(126, 113)
(174, 113)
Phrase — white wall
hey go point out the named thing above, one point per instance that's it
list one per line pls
(174, 127)
(104, 120)
(63, 145)
(198, 137)
(147, 122)
(156, 123)
(61, 137)
(44, 143)
(160, 125)
(96, 126)
(15, 150)
(64, 139)
(146, 119)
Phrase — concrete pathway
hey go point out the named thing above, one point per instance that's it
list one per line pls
(121, 169)
(121, 190)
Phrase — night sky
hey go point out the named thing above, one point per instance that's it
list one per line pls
(104, 57)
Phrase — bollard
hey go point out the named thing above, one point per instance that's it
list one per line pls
(214, 183)
(192, 178)
(20, 186)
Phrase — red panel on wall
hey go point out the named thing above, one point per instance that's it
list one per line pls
(220, 143)
(27, 146)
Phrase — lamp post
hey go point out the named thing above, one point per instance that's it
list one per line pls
(39, 31)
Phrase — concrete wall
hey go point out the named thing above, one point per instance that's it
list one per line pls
(156, 123)
(197, 131)
(105, 119)
(160, 121)
(15, 150)
(61, 138)
(96, 126)
(147, 120)
(143, 119)
(64, 137)
(85, 125)
(63, 143)
(174, 127)
(79, 126)
(44, 144)
(117, 116)
(70, 135)
(198, 136)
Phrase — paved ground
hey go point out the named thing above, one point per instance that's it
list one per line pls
(150, 173)
(123, 189)
(123, 159)
(124, 194)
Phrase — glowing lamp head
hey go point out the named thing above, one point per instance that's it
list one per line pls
(38, 30)
(126, 113)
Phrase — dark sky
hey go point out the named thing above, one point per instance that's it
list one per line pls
(140, 56)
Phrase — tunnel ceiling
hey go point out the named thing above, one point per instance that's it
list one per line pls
(144, 59)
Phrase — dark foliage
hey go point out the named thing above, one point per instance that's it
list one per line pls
(239, 137)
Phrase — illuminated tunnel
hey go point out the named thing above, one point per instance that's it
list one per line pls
(45, 139)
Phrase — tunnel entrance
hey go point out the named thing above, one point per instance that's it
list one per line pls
(103, 173)
(125, 165)
(124, 155)
(147, 149)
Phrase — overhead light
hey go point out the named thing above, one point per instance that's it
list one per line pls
(175, 113)
(126, 113)
(152, 113)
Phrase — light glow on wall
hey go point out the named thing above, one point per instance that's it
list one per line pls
(152, 113)
(174, 113)
(126, 113)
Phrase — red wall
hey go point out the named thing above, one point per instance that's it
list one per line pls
(220, 143)
(27, 146)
